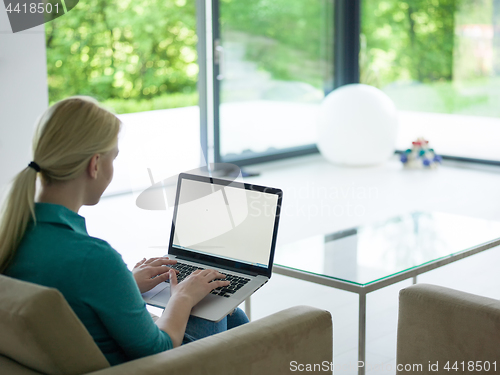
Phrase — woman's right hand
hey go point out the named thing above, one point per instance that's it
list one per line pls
(197, 285)
(183, 298)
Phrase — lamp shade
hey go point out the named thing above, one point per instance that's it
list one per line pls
(357, 126)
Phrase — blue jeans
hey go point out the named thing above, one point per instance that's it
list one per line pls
(197, 328)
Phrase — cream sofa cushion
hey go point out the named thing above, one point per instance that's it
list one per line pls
(38, 320)
(438, 324)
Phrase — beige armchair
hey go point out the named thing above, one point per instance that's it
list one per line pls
(40, 334)
(440, 327)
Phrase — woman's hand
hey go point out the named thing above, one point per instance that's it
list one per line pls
(197, 285)
(183, 297)
(149, 273)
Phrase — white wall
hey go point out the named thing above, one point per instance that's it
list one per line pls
(23, 94)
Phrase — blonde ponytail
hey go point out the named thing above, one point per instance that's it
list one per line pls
(18, 209)
(68, 134)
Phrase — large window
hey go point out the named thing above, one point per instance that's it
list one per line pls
(138, 58)
(275, 63)
(439, 60)
(131, 55)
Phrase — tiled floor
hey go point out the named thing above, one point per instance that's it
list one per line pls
(471, 192)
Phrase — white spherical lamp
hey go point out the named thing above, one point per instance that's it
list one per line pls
(357, 126)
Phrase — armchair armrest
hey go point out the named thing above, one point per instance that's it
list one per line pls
(442, 324)
(266, 346)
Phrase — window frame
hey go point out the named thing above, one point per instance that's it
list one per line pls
(346, 70)
(346, 39)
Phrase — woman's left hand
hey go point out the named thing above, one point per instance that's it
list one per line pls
(149, 273)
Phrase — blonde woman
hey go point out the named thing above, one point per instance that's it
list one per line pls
(47, 243)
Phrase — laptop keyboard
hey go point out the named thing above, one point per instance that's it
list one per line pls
(236, 281)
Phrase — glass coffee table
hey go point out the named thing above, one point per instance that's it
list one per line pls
(370, 257)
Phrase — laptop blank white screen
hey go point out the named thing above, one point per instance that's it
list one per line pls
(225, 221)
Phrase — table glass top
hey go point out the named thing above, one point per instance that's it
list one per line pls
(373, 252)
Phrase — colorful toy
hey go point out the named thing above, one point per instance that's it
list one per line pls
(420, 156)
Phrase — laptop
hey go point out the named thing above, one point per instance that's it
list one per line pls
(224, 225)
